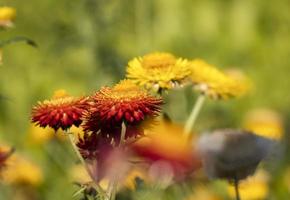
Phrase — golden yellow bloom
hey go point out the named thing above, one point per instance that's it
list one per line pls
(7, 15)
(214, 83)
(158, 71)
(253, 188)
(38, 135)
(265, 122)
(20, 171)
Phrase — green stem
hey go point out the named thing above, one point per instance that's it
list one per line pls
(123, 134)
(193, 115)
(111, 194)
(75, 148)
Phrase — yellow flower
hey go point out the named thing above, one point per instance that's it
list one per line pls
(7, 15)
(253, 188)
(20, 171)
(133, 175)
(203, 193)
(38, 135)
(265, 122)
(158, 71)
(214, 83)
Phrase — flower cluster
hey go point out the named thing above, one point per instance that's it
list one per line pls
(121, 131)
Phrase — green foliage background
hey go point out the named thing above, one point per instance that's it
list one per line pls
(84, 44)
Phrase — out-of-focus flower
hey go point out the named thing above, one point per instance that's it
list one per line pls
(62, 112)
(38, 135)
(203, 193)
(265, 122)
(216, 84)
(124, 103)
(232, 154)
(7, 15)
(158, 71)
(165, 146)
(20, 171)
(135, 175)
(253, 188)
(5, 153)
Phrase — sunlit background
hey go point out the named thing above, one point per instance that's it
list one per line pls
(85, 44)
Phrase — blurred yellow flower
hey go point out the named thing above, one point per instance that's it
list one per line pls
(203, 193)
(265, 122)
(253, 188)
(216, 84)
(60, 93)
(7, 15)
(38, 135)
(20, 171)
(133, 176)
(158, 71)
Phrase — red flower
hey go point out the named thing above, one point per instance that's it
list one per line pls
(59, 112)
(125, 102)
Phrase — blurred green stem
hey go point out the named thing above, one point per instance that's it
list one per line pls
(75, 148)
(193, 115)
(123, 134)
(111, 194)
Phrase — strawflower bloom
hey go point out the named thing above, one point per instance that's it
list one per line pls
(253, 188)
(265, 122)
(124, 103)
(232, 154)
(59, 112)
(158, 71)
(7, 15)
(214, 83)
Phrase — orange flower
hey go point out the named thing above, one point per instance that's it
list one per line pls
(62, 112)
(125, 102)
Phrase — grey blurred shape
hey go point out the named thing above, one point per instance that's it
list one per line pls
(232, 154)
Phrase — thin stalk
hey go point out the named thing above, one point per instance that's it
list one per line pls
(236, 184)
(111, 195)
(75, 148)
(193, 115)
(123, 134)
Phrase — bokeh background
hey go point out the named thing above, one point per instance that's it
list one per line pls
(85, 44)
